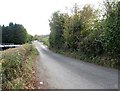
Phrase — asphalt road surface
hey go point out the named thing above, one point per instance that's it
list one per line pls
(67, 73)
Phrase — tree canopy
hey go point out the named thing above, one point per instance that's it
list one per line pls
(83, 30)
(15, 33)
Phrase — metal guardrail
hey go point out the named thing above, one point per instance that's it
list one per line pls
(4, 46)
(9, 46)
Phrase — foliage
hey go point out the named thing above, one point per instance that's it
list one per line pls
(17, 66)
(44, 39)
(85, 31)
(29, 38)
(99, 60)
(36, 37)
(15, 33)
(111, 36)
(56, 38)
(74, 27)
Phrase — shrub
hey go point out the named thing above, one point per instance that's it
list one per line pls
(15, 66)
(91, 44)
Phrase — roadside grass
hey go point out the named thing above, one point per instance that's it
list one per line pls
(102, 60)
(17, 67)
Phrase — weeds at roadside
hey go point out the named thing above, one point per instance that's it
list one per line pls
(99, 60)
(17, 67)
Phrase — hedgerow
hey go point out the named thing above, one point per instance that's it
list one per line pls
(17, 66)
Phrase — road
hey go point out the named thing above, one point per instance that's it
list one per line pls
(68, 73)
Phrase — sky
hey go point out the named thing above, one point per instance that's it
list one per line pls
(34, 14)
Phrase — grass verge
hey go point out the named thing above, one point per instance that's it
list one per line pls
(102, 60)
(17, 67)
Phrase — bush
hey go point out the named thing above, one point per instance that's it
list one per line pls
(15, 66)
(111, 36)
(91, 44)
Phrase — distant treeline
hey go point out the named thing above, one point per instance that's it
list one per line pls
(15, 33)
(87, 30)
(42, 38)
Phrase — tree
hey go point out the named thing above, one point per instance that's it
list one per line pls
(14, 33)
(72, 28)
(91, 29)
(56, 38)
(84, 31)
(20, 34)
(29, 38)
(111, 36)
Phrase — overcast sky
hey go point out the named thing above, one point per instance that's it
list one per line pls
(34, 14)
